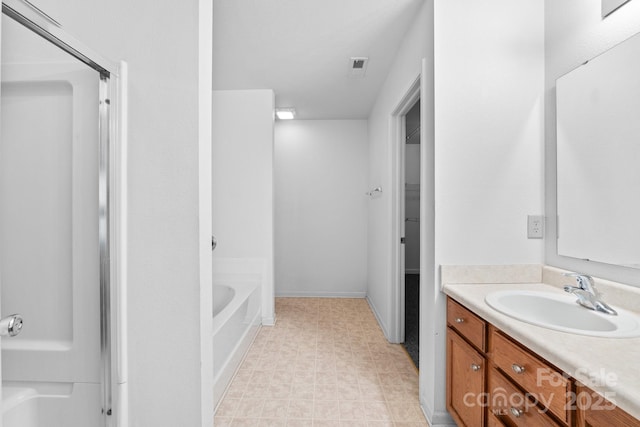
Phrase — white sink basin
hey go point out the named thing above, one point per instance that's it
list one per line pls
(562, 313)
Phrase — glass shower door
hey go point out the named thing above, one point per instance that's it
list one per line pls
(49, 234)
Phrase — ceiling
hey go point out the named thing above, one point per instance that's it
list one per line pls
(301, 50)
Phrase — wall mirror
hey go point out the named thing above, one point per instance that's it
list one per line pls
(598, 134)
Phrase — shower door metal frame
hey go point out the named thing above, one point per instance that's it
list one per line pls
(109, 231)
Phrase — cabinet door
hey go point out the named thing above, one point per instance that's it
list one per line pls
(596, 411)
(465, 382)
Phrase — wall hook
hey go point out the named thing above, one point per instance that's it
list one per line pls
(377, 190)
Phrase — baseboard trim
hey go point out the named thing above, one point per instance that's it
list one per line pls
(436, 418)
(269, 321)
(378, 318)
(312, 294)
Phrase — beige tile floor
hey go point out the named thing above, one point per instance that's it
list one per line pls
(325, 363)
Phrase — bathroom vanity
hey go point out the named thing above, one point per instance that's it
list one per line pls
(505, 372)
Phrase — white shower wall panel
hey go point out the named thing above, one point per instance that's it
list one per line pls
(49, 255)
(36, 211)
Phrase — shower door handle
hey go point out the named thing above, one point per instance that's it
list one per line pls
(11, 326)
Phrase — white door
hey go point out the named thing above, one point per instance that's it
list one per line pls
(49, 253)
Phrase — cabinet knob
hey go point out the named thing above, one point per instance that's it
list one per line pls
(459, 320)
(475, 368)
(516, 412)
(518, 369)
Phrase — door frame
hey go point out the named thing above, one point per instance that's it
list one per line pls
(398, 140)
(112, 202)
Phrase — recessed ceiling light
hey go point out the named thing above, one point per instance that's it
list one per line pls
(285, 113)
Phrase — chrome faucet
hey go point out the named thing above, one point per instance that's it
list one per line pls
(588, 295)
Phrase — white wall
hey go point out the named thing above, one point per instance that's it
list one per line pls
(417, 44)
(489, 60)
(489, 140)
(575, 33)
(169, 265)
(321, 207)
(243, 186)
(487, 113)
(406, 69)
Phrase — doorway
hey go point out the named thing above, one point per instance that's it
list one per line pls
(412, 154)
(400, 134)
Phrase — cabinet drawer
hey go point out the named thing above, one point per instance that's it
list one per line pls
(493, 421)
(512, 407)
(545, 383)
(467, 324)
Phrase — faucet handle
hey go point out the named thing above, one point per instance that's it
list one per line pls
(584, 282)
(588, 295)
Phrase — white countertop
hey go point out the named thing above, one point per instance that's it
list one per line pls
(610, 366)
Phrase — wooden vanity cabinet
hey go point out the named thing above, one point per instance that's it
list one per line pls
(593, 410)
(466, 366)
(494, 381)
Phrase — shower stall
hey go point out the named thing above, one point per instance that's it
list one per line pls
(58, 281)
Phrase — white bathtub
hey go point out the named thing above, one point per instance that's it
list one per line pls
(222, 296)
(33, 404)
(236, 321)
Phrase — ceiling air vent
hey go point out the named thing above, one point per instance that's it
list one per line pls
(358, 66)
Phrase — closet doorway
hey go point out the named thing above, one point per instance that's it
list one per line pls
(412, 154)
(410, 163)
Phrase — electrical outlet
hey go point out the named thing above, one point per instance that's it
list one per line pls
(535, 226)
